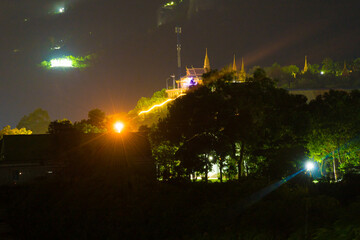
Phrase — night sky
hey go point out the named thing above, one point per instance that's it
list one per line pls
(135, 46)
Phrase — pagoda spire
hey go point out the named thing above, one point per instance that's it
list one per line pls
(206, 62)
(242, 66)
(305, 65)
(234, 68)
(242, 74)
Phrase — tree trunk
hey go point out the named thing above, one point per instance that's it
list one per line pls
(322, 168)
(246, 168)
(334, 165)
(237, 160)
(206, 169)
(339, 155)
(221, 168)
(241, 160)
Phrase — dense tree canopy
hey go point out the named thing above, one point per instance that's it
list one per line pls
(96, 122)
(236, 123)
(63, 126)
(327, 74)
(255, 128)
(38, 121)
(335, 130)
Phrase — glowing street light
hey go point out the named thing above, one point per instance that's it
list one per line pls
(118, 127)
(61, 10)
(61, 62)
(309, 166)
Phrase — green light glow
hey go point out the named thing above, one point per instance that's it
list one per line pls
(68, 62)
(169, 4)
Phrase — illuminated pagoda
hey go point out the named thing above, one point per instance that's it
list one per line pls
(345, 71)
(234, 67)
(242, 73)
(193, 77)
(305, 66)
(240, 77)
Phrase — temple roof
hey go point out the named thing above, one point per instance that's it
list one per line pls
(195, 72)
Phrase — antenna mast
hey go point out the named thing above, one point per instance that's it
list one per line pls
(178, 48)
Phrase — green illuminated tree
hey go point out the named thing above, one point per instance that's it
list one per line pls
(166, 162)
(37, 121)
(15, 131)
(96, 122)
(63, 126)
(355, 66)
(291, 69)
(96, 118)
(144, 104)
(85, 127)
(335, 121)
(314, 68)
(246, 122)
(279, 124)
(331, 67)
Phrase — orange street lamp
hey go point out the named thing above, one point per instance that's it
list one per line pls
(118, 127)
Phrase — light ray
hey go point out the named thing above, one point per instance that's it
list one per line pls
(160, 105)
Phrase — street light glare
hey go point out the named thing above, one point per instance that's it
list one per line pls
(118, 126)
(61, 62)
(309, 166)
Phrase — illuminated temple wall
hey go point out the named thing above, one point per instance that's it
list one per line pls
(173, 93)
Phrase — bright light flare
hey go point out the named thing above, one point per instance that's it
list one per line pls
(61, 62)
(61, 10)
(161, 104)
(189, 82)
(309, 166)
(118, 127)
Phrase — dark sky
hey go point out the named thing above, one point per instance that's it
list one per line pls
(135, 55)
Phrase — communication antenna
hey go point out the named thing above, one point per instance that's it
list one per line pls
(178, 48)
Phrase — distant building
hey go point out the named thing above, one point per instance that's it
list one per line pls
(26, 158)
(194, 76)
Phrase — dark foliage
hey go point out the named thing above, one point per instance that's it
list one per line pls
(100, 210)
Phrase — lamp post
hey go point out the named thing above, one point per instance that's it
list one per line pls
(309, 167)
(173, 78)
